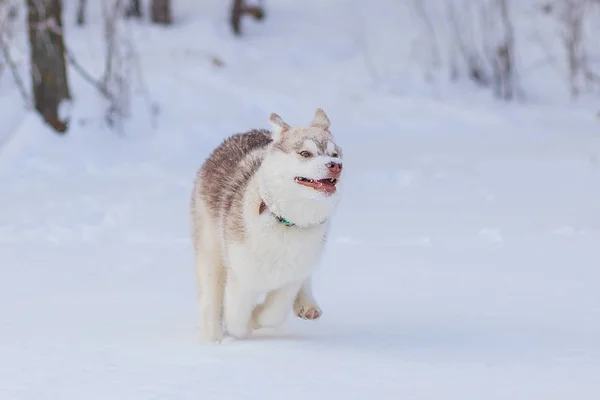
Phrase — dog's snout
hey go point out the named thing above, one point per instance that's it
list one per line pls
(334, 167)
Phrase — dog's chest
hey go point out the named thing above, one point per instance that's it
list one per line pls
(274, 256)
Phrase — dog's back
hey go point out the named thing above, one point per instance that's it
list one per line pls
(226, 172)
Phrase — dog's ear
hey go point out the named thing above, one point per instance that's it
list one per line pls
(320, 120)
(278, 124)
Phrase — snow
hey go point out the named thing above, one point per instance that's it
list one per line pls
(463, 261)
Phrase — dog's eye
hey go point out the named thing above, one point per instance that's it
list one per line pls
(305, 154)
(335, 155)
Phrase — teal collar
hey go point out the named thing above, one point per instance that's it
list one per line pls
(282, 220)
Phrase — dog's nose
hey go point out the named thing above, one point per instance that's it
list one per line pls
(334, 167)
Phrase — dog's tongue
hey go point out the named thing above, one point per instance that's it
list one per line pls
(325, 185)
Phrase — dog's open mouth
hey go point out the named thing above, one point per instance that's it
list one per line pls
(326, 185)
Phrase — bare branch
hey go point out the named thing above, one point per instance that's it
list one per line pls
(81, 8)
(434, 47)
(4, 47)
(87, 76)
(506, 54)
(110, 23)
(471, 58)
(134, 9)
(572, 15)
(239, 8)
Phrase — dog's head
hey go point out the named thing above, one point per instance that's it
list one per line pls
(302, 170)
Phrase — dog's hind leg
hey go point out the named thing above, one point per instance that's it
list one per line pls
(211, 282)
(210, 274)
(305, 305)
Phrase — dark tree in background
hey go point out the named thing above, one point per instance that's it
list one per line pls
(13, 12)
(48, 65)
(161, 12)
(81, 12)
(134, 9)
(239, 8)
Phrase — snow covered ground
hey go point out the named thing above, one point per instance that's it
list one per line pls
(463, 262)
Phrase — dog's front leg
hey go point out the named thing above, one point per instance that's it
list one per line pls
(239, 302)
(305, 305)
(276, 307)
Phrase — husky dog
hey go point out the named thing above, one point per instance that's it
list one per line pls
(261, 209)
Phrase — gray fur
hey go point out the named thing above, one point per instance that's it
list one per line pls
(321, 120)
(224, 176)
(292, 143)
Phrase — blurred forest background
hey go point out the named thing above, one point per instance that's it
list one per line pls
(461, 264)
(514, 49)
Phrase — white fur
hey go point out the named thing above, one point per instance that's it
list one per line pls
(311, 146)
(211, 276)
(300, 204)
(276, 129)
(330, 147)
(278, 126)
(273, 258)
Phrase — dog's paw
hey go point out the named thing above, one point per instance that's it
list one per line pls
(238, 331)
(211, 339)
(307, 311)
(211, 333)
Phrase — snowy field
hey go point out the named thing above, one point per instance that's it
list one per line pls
(463, 261)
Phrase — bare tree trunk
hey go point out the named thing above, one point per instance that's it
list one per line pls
(572, 16)
(471, 57)
(240, 8)
(506, 54)
(134, 9)
(48, 65)
(13, 12)
(161, 12)
(81, 12)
